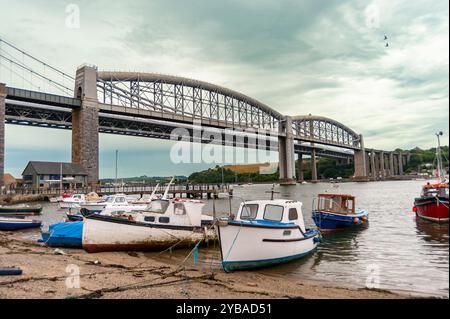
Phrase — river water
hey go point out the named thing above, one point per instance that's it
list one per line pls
(395, 251)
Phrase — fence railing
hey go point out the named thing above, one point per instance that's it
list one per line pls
(120, 189)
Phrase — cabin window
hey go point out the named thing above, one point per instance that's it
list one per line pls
(164, 220)
(149, 218)
(273, 213)
(158, 206)
(178, 209)
(249, 211)
(293, 215)
(120, 200)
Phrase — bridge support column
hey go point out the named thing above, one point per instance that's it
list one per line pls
(391, 164)
(313, 166)
(2, 132)
(360, 162)
(373, 168)
(286, 153)
(300, 176)
(85, 123)
(400, 163)
(382, 166)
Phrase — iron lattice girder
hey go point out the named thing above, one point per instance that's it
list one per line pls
(199, 100)
(323, 130)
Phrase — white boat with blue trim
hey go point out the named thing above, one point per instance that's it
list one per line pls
(265, 233)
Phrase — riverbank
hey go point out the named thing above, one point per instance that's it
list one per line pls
(137, 275)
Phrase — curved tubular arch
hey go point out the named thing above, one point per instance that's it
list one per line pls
(186, 97)
(324, 130)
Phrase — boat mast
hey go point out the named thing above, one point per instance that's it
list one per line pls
(439, 156)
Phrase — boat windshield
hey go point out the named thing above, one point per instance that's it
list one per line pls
(437, 191)
(158, 206)
(109, 199)
(249, 211)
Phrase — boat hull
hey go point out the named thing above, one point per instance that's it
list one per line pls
(137, 236)
(275, 245)
(434, 209)
(17, 224)
(331, 221)
(67, 234)
(20, 210)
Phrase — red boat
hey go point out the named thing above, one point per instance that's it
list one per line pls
(433, 203)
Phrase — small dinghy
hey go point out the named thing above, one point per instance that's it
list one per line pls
(9, 223)
(265, 233)
(337, 211)
(67, 234)
(20, 210)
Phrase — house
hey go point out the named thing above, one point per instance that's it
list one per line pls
(48, 175)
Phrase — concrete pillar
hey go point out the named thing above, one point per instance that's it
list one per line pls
(85, 123)
(300, 176)
(391, 164)
(286, 153)
(313, 165)
(2, 132)
(373, 168)
(382, 166)
(400, 163)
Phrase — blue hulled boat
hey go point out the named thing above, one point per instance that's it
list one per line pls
(8, 223)
(337, 211)
(67, 234)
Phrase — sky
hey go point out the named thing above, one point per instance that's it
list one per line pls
(316, 57)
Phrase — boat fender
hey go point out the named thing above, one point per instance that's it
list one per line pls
(10, 271)
(356, 220)
(364, 218)
(317, 240)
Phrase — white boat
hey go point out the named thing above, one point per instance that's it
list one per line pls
(163, 224)
(73, 201)
(118, 203)
(265, 233)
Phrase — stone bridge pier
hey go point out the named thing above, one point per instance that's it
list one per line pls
(286, 152)
(85, 125)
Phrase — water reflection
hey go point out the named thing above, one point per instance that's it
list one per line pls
(432, 232)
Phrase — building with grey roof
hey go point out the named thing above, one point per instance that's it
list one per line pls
(50, 174)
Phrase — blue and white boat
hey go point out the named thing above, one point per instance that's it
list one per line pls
(67, 234)
(265, 233)
(9, 223)
(337, 211)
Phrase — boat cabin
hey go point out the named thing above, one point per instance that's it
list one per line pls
(435, 190)
(119, 199)
(272, 211)
(177, 212)
(336, 203)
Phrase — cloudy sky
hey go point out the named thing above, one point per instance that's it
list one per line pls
(322, 57)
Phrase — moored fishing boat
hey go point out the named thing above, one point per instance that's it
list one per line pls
(163, 224)
(7, 223)
(73, 201)
(265, 233)
(337, 211)
(432, 204)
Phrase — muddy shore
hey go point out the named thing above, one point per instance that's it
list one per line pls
(138, 275)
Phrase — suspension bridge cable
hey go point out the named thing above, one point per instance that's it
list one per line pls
(34, 72)
(36, 59)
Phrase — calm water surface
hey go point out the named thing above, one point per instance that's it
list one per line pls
(408, 254)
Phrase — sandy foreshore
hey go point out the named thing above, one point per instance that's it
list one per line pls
(137, 275)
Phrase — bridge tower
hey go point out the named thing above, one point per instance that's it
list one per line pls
(85, 124)
(2, 132)
(286, 152)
